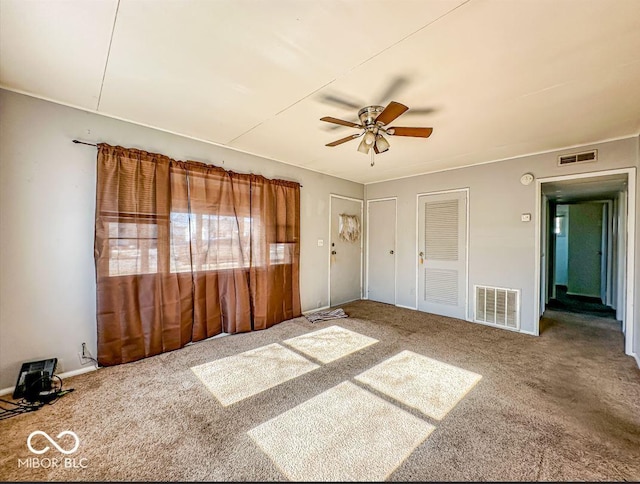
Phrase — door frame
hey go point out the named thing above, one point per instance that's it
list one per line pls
(395, 249)
(466, 268)
(331, 197)
(628, 321)
(543, 261)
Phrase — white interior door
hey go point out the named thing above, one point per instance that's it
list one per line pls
(345, 266)
(381, 257)
(442, 254)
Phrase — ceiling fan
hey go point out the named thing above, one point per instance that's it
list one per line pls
(374, 122)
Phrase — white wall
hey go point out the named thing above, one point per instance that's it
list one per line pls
(501, 246)
(47, 204)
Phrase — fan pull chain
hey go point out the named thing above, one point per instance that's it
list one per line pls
(373, 153)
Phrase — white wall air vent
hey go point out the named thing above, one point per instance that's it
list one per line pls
(578, 158)
(498, 306)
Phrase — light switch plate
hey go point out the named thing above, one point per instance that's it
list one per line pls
(525, 217)
(320, 242)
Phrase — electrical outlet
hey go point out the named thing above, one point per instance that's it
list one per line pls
(85, 355)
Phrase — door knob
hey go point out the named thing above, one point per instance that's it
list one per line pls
(333, 252)
(421, 254)
(391, 252)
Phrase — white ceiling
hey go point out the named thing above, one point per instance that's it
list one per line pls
(502, 78)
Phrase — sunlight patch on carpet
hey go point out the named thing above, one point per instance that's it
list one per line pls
(428, 385)
(330, 344)
(343, 434)
(235, 378)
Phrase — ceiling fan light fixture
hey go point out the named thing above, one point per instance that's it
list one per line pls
(373, 123)
(382, 144)
(369, 138)
(364, 147)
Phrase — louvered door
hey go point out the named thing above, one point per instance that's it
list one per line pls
(442, 254)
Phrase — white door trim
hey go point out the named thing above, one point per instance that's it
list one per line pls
(630, 256)
(331, 197)
(415, 252)
(609, 242)
(395, 248)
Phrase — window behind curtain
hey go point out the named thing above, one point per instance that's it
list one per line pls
(185, 251)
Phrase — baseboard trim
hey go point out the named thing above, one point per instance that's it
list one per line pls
(66, 374)
(79, 371)
(530, 333)
(347, 302)
(635, 355)
(311, 311)
(406, 307)
(6, 391)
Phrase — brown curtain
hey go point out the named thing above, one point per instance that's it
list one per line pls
(185, 251)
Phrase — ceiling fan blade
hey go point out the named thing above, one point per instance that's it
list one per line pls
(344, 140)
(414, 111)
(397, 84)
(415, 132)
(339, 101)
(329, 119)
(391, 112)
(333, 127)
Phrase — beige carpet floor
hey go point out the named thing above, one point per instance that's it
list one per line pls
(497, 405)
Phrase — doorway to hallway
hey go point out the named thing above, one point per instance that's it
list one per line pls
(586, 246)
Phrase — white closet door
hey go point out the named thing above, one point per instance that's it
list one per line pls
(442, 254)
(381, 264)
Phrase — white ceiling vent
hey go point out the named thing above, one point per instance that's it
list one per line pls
(498, 306)
(583, 157)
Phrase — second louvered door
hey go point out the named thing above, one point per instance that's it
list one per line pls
(442, 255)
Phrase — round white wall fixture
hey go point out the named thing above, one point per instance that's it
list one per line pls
(526, 179)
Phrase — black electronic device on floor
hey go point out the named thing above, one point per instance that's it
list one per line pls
(35, 378)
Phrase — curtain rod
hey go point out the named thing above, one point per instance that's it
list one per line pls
(83, 143)
(78, 142)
